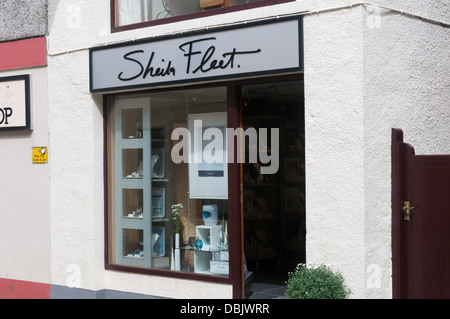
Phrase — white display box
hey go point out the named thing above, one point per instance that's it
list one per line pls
(209, 235)
(202, 261)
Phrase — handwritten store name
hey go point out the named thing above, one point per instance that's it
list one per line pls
(197, 60)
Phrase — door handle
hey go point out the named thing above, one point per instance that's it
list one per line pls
(407, 211)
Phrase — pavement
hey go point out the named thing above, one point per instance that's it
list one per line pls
(263, 290)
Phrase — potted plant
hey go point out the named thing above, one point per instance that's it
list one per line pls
(316, 282)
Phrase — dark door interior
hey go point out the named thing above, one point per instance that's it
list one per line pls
(274, 204)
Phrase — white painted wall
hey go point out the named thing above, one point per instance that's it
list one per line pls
(76, 189)
(24, 191)
(334, 125)
(407, 71)
(360, 81)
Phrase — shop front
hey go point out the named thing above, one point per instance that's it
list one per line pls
(156, 148)
(204, 153)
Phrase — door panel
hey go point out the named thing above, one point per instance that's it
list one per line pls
(421, 250)
(429, 223)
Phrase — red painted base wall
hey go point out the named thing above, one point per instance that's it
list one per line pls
(16, 289)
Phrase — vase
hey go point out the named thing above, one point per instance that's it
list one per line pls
(198, 243)
(177, 252)
(224, 240)
(210, 215)
(172, 259)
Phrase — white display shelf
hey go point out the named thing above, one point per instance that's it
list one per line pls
(211, 258)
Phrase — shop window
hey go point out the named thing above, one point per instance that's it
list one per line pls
(132, 12)
(167, 181)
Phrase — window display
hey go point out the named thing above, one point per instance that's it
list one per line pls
(158, 218)
(136, 11)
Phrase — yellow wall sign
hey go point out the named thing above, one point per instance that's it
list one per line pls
(39, 155)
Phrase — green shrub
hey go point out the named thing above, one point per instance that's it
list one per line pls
(316, 282)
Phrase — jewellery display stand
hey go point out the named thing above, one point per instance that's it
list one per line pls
(133, 232)
(140, 223)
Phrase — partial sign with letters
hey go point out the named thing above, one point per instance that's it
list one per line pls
(15, 103)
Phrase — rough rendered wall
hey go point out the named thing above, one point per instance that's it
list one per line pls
(22, 19)
(406, 85)
(367, 70)
(334, 143)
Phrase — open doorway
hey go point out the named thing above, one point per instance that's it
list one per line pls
(274, 204)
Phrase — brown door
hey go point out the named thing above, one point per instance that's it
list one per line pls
(420, 221)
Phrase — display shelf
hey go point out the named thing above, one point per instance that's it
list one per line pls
(134, 217)
(209, 235)
(140, 205)
(131, 119)
(161, 262)
(211, 262)
(158, 202)
(160, 180)
(212, 257)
